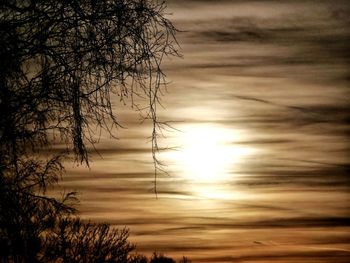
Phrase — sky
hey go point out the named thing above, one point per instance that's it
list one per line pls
(258, 160)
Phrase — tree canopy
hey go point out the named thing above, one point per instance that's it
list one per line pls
(61, 63)
(62, 60)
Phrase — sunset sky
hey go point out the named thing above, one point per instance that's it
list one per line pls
(258, 160)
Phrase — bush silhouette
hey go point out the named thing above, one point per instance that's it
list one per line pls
(160, 258)
(137, 259)
(75, 241)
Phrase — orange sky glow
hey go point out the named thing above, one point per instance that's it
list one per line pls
(258, 162)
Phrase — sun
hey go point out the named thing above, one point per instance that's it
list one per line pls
(205, 156)
(208, 153)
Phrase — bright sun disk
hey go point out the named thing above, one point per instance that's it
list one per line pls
(209, 153)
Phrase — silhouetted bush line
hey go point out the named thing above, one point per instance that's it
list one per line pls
(156, 258)
(61, 61)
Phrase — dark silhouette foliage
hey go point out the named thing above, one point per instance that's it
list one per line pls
(75, 241)
(156, 258)
(26, 214)
(61, 62)
(160, 258)
(138, 259)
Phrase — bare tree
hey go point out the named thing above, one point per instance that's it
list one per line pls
(75, 241)
(61, 61)
(26, 214)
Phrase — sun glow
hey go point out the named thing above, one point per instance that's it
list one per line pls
(208, 154)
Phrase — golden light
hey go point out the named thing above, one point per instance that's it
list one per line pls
(208, 153)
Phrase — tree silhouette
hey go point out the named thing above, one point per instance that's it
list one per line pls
(75, 241)
(160, 258)
(26, 214)
(61, 61)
